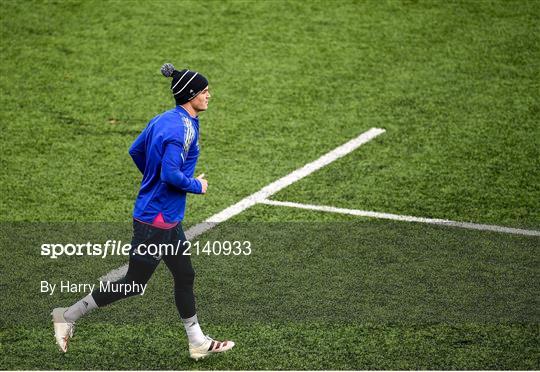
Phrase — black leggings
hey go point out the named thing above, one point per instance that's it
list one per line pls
(142, 265)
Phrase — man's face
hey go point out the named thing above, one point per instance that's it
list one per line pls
(200, 103)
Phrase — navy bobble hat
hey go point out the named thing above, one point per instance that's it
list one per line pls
(185, 84)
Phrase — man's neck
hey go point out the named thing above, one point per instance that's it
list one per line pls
(191, 111)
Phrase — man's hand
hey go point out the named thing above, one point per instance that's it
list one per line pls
(204, 183)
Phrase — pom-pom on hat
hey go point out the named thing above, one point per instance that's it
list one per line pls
(185, 84)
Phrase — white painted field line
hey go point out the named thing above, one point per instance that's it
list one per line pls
(267, 191)
(283, 182)
(396, 217)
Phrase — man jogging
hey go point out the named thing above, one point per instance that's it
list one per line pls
(166, 153)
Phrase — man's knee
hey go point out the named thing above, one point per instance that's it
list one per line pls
(185, 277)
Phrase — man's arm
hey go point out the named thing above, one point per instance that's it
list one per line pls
(137, 152)
(172, 162)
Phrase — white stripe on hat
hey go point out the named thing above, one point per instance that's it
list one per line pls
(174, 94)
(179, 80)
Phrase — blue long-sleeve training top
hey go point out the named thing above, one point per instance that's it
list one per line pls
(166, 153)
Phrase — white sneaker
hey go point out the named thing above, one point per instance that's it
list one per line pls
(63, 330)
(209, 346)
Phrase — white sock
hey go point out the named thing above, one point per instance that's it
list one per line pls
(193, 331)
(78, 309)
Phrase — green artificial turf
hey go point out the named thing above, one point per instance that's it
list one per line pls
(455, 85)
(295, 346)
(359, 294)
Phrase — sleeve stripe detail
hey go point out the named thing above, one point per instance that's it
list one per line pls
(189, 135)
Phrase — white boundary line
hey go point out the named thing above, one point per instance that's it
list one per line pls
(267, 191)
(396, 217)
(283, 182)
